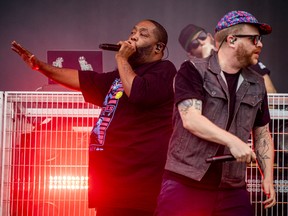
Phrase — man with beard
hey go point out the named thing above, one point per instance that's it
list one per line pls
(219, 102)
(129, 142)
(199, 43)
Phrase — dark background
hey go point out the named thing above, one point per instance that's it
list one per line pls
(41, 25)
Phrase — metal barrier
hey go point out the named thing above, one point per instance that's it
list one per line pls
(278, 104)
(45, 153)
(44, 147)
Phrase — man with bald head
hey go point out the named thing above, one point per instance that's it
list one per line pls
(128, 144)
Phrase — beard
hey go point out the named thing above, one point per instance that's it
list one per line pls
(140, 56)
(244, 57)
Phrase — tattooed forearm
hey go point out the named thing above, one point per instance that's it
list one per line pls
(186, 104)
(261, 132)
(261, 156)
(262, 146)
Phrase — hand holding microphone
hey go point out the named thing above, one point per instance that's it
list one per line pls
(220, 158)
(127, 46)
(229, 157)
(110, 47)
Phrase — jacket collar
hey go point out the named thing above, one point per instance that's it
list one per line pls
(246, 73)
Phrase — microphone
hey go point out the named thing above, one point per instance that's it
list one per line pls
(111, 47)
(221, 158)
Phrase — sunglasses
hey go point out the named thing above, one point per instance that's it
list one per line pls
(194, 44)
(254, 38)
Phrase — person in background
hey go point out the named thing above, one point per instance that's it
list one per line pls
(199, 43)
(219, 101)
(128, 145)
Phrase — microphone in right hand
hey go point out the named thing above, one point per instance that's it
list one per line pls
(220, 158)
(110, 47)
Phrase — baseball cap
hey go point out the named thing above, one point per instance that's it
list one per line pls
(237, 17)
(187, 34)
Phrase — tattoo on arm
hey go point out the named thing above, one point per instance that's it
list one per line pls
(262, 146)
(186, 104)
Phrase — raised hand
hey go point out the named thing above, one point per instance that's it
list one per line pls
(27, 56)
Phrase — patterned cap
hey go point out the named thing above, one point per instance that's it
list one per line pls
(237, 17)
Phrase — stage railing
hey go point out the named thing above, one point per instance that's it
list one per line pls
(44, 154)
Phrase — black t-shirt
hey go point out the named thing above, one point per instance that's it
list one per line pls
(189, 84)
(129, 144)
